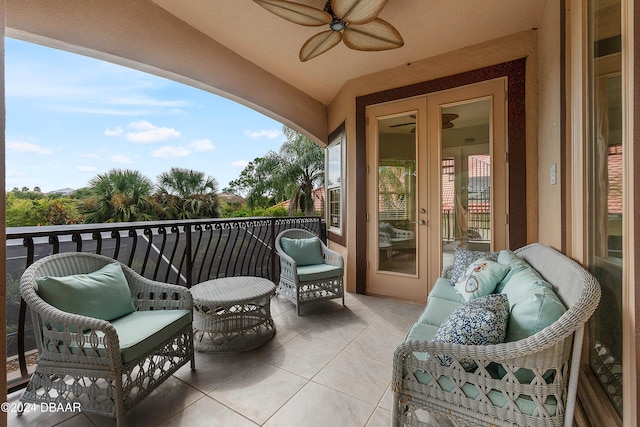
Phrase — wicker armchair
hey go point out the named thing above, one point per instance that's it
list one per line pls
(550, 358)
(309, 271)
(105, 366)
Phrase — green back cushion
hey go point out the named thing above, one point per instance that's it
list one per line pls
(534, 312)
(534, 304)
(303, 251)
(103, 294)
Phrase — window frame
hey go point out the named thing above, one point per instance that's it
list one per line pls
(336, 138)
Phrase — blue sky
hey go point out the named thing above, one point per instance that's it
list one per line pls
(71, 117)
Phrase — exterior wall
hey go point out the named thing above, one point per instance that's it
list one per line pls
(141, 35)
(549, 127)
(343, 108)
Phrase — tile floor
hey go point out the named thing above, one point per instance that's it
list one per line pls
(329, 367)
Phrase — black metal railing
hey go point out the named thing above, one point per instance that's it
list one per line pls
(179, 252)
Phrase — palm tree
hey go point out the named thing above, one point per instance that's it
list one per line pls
(301, 169)
(186, 193)
(120, 195)
(292, 174)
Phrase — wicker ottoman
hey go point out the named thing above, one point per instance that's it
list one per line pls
(232, 314)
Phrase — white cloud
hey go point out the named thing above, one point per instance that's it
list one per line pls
(116, 131)
(27, 147)
(143, 132)
(121, 158)
(265, 133)
(240, 164)
(83, 168)
(201, 145)
(168, 151)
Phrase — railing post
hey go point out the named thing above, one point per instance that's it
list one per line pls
(273, 249)
(187, 237)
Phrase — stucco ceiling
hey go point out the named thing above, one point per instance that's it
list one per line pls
(429, 28)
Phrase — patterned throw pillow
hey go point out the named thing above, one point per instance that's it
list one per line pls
(481, 321)
(462, 259)
(480, 278)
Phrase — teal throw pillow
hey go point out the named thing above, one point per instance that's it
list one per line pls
(103, 294)
(303, 251)
(480, 278)
(534, 312)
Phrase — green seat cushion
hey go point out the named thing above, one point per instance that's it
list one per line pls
(437, 310)
(303, 251)
(421, 332)
(141, 331)
(138, 333)
(443, 289)
(480, 278)
(534, 312)
(103, 294)
(310, 273)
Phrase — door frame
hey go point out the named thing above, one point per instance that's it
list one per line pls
(514, 71)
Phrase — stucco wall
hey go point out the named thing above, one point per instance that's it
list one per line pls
(549, 129)
(513, 47)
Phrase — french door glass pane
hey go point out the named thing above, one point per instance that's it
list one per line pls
(605, 152)
(397, 194)
(466, 178)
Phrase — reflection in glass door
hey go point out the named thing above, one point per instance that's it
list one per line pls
(397, 193)
(466, 178)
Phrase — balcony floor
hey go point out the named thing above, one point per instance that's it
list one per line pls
(330, 366)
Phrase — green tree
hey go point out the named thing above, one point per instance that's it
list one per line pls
(292, 174)
(119, 196)
(185, 194)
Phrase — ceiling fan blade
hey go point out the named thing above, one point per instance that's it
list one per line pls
(357, 11)
(297, 13)
(376, 35)
(318, 44)
(402, 124)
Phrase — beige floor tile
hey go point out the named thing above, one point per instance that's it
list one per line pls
(387, 399)
(360, 377)
(333, 333)
(258, 392)
(380, 418)
(163, 403)
(392, 323)
(207, 412)
(302, 357)
(375, 345)
(317, 405)
(376, 304)
(214, 369)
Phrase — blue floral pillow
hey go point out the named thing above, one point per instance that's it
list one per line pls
(463, 258)
(481, 321)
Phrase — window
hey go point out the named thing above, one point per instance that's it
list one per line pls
(334, 174)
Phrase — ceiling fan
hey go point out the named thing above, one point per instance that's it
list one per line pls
(355, 22)
(447, 119)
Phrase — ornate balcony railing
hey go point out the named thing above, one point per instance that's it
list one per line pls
(179, 252)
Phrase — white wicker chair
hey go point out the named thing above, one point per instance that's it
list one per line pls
(552, 355)
(322, 286)
(80, 357)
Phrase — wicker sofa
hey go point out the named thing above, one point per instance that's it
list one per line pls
(530, 379)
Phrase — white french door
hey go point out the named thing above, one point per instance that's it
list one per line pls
(436, 180)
